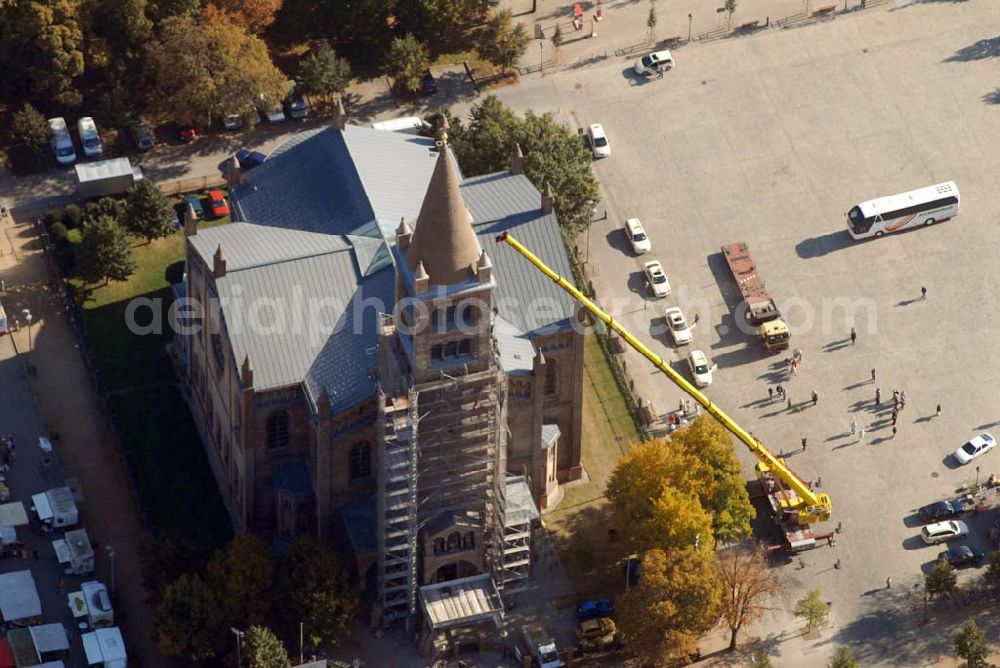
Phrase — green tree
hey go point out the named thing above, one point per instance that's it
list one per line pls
(762, 660)
(970, 645)
(941, 579)
(730, 7)
(316, 589)
(41, 44)
(123, 27)
(485, 145)
(263, 649)
(204, 69)
(189, 620)
(148, 212)
(843, 659)
(106, 206)
(503, 42)
(747, 586)
(674, 603)
(812, 609)
(651, 21)
(30, 132)
(992, 574)
(159, 10)
(104, 252)
(242, 577)
(323, 73)
(406, 63)
(439, 22)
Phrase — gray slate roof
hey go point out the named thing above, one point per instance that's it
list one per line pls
(550, 434)
(246, 246)
(516, 352)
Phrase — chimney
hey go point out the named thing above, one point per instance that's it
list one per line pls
(484, 268)
(340, 115)
(403, 234)
(234, 173)
(323, 404)
(219, 263)
(421, 281)
(517, 160)
(547, 199)
(246, 373)
(190, 221)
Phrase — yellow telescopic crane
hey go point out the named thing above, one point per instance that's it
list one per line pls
(808, 507)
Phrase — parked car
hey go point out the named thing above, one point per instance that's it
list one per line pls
(217, 203)
(963, 555)
(679, 330)
(62, 143)
(89, 137)
(195, 202)
(700, 368)
(656, 279)
(232, 122)
(977, 446)
(941, 510)
(296, 105)
(250, 159)
(944, 531)
(186, 131)
(597, 139)
(428, 84)
(595, 635)
(592, 608)
(637, 236)
(650, 63)
(142, 136)
(271, 111)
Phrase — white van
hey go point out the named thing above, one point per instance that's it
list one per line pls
(89, 138)
(408, 124)
(62, 143)
(651, 63)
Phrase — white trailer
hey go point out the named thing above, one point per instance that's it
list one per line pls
(106, 178)
(105, 647)
(75, 551)
(56, 507)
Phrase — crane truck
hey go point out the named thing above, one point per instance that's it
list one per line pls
(761, 310)
(794, 504)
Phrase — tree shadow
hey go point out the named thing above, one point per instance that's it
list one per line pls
(984, 48)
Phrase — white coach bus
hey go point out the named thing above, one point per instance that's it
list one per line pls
(886, 215)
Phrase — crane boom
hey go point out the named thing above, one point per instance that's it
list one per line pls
(810, 506)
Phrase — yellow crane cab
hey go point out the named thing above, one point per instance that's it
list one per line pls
(775, 335)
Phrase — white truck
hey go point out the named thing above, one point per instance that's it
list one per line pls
(106, 178)
(56, 508)
(97, 603)
(536, 648)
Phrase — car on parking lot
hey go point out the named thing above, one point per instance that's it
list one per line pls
(597, 139)
(428, 84)
(656, 279)
(700, 368)
(679, 330)
(186, 131)
(594, 635)
(593, 608)
(973, 448)
(89, 137)
(232, 122)
(941, 510)
(271, 111)
(217, 203)
(195, 203)
(250, 159)
(296, 105)
(142, 135)
(636, 234)
(941, 532)
(963, 555)
(650, 63)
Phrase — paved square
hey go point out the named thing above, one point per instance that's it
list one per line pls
(770, 140)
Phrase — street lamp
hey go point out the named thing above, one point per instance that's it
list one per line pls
(503, 637)
(28, 317)
(541, 56)
(239, 645)
(111, 555)
(690, 18)
(977, 481)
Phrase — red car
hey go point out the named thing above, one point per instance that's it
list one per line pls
(187, 132)
(218, 204)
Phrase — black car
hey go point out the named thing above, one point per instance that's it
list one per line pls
(940, 511)
(428, 84)
(963, 555)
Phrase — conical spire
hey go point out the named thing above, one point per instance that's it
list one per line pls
(444, 241)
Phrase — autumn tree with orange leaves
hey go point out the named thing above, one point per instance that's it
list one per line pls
(254, 16)
(748, 585)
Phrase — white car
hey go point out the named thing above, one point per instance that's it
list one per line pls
(975, 447)
(650, 63)
(700, 368)
(679, 330)
(598, 141)
(636, 234)
(89, 137)
(271, 111)
(656, 279)
(944, 531)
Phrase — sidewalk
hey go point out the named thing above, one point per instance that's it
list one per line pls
(85, 450)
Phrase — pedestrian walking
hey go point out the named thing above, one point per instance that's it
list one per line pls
(894, 431)
(770, 394)
(854, 427)
(815, 397)
(873, 374)
(861, 435)
(780, 390)
(888, 583)
(854, 336)
(923, 292)
(789, 403)
(878, 396)
(895, 414)
(659, 71)
(794, 366)
(902, 396)
(938, 412)
(902, 404)
(697, 317)
(803, 444)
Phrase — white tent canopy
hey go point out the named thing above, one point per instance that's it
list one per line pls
(105, 647)
(19, 596)
(13, 515)
(49, 638)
